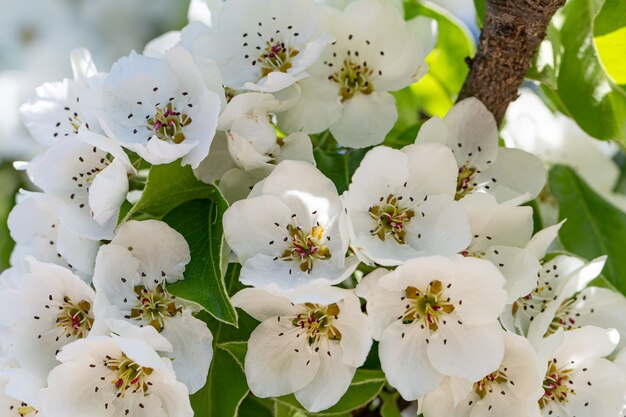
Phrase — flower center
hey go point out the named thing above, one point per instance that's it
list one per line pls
(390, 219)
(483, 387)
(25, 410)
(306, 247)
(563, 318)
(168, 124)
(353, 78)
(154, 306)
(128, 375)
(76, 319)
(427, 306)
(556, 385)
(464, 184)
(276, 57)
(318, 322)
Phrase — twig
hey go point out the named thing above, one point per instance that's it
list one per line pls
(512, 32)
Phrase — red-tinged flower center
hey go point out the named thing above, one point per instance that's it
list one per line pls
(76, 319)
(556, 385)
(391, 219)
(306, 247)
(318, 322)
(128, 375)
(427, 306)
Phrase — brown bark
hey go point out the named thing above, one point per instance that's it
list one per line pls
(512, 32)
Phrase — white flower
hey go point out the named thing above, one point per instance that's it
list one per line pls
(578, 380)
(131, 278)
(540, 312)
(49, 308)
(260, 45)
(114, 377)
(470, 130)
(435, 317)
(249, 146)
(89, 174)
(557, 139)
(309, 349)
(59, 109)
(513, 390)
(502, 235)
(163, 109)
(400, 205)
(288, 235)
(37, 231)
(375, 51)
(19, 393)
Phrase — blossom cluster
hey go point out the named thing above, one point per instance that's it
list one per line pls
(430, 251)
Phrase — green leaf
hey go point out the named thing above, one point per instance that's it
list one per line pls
(389, 406)
(169, 186)
(339, 166)
(236, 349)
(252, 408)
(200, 223)
(225, 389)
(455, 43)
(226, 385)
(365, 386)
(9, 184)
(594, 227)
(481, 10)
(588, 92)
(610, 38)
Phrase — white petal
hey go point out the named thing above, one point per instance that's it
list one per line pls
(516, 173)
(518, 266)
(355, 337)
(263, 305)
(159, 248)
(317, 109)
(403, 358)
(297, 147)
(432, 169)
(467, 351)
(365, 120)
(278, 362)
(250, 226)
(108, 192)
(331, 382)
(192, 349)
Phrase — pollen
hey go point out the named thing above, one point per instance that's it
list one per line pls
(306, 247)
(154, 306)
(391, 219)
(168, 124)
(317, 322)
(128, 375)
(75, 318)
(428, 306)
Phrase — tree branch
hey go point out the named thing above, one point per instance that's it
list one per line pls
(512, 32)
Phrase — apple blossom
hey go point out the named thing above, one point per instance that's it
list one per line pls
(400, 205)
(435, 317)
(131, 278)
(309, 349)
(289, 234)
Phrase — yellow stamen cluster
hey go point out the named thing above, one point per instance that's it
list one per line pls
(129, 375)
(306, 247)
(276, 57)
(154, 306)
(168, 124)
(75, 319)
(318, 322)
(427, 306)
(353, 78)
(483, 387)
(391, 219)
(556, 385)
(464, 182)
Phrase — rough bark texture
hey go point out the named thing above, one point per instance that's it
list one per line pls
(512, 32)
